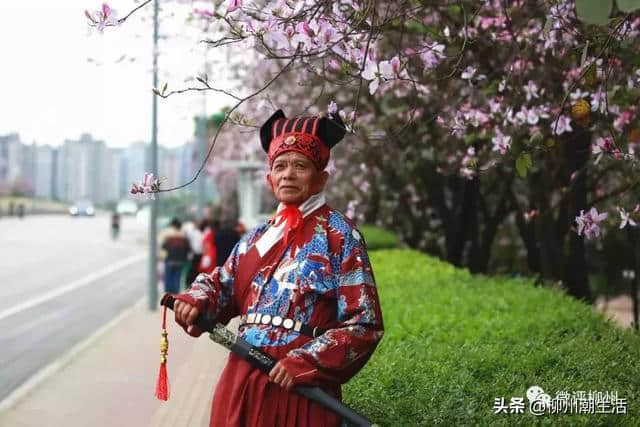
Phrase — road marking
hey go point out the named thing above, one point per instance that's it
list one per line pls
(87, 280)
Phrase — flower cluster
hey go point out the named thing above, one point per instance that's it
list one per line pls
(148, 186)
(102, 18)
(589, 223)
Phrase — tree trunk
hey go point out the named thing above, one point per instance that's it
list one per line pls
(459, 231)
(578, 148)
(635, 244)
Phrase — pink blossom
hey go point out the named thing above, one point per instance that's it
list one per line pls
(327, 33)
(233, 5)
(307, 30)
(353, 4)
(102, 18)
(531, 89)
(148, 186)
(333, 107)
(501, 142)
(459, 127)
(598, 101)
(203, 13)
(433, 55)
(625, 219)
(504, 36)
(395, 65)
(495, 105)
(563, 125)
(601, 146)
(351, 209)
(578, 94)
(376, 72)
(486, 22)
(623, 119)
(468, 73)
(589, 223)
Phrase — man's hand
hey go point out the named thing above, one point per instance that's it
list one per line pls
(280, 376)
(185, 314)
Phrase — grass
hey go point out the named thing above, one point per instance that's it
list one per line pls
(378, 238)
(454, 343)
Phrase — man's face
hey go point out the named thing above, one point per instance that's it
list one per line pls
(293, 178)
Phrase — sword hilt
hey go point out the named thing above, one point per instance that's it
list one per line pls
(264, 362)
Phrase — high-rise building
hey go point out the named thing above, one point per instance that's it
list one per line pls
(10, 162)
(113, 172)
(81, 170)
(138, 162)
(43, 171)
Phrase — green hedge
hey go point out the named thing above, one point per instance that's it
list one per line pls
(454, 342)
(378, 238)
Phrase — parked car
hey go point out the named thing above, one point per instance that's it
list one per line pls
(82, 208)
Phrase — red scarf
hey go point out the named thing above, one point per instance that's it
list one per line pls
(292, 217)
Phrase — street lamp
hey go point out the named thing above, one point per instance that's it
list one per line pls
(153, 285)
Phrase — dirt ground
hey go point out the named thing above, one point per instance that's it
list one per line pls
(619, 308)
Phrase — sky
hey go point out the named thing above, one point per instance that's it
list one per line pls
(59, 79)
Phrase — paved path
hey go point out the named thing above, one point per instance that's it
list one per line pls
(111, 381)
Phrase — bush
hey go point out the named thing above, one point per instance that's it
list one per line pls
(378, 238)
(454, 343)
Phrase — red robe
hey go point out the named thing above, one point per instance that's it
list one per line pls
(326, 282)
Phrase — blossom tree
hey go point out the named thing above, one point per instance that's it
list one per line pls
(471, 117)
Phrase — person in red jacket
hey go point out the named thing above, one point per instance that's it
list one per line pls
(302, 285)
(209, 249)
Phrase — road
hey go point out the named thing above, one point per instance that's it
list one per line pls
(62, 278)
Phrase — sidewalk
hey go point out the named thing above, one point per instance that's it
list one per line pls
(112, 381)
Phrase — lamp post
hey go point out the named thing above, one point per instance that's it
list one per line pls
(153, 285)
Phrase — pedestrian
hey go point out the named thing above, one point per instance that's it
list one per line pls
(195, 233)
(21, 210)
(176, 249)
(115, 225)
(209, 249)
(226, 238)
(302, 285)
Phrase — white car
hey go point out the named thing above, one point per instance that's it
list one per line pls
(82, 208)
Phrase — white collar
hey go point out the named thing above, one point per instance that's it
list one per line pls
(309, 205)
(275, 233)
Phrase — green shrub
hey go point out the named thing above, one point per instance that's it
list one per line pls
(454, 343)
(378, 238)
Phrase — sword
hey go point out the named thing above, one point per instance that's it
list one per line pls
(264, 362)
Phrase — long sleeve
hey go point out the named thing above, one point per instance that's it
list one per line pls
(212, 294)
(341, 352)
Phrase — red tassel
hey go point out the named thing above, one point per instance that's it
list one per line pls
(162, 386)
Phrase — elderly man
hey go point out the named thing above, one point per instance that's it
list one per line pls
(302, 285)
